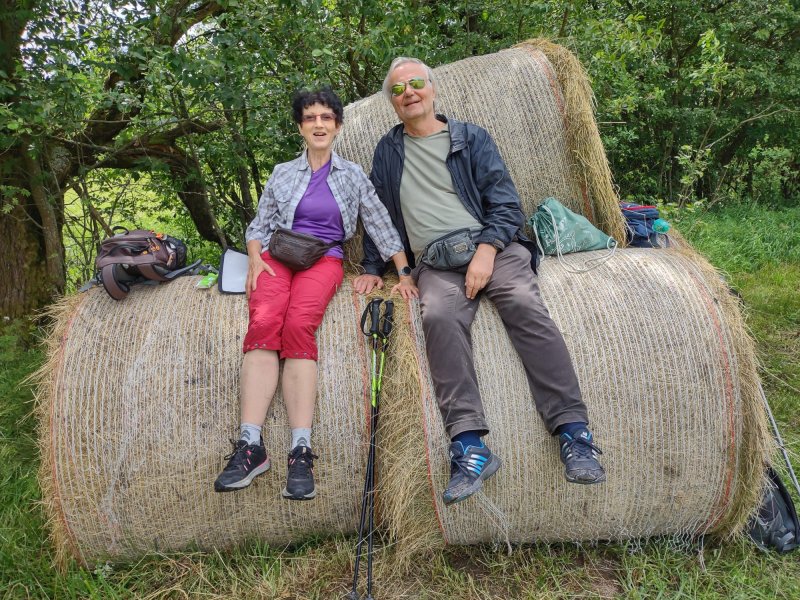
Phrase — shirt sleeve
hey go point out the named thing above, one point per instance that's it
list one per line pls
(260, 228)
(376, 219)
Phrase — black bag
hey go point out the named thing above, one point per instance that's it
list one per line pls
(775, 525)
(298, 251)
(450, 252)
(134, 256)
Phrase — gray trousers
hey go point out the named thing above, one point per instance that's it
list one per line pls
(447, 316)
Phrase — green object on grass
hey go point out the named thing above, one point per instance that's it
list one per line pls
(561, 231)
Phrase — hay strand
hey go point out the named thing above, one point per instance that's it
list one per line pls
(589, 162)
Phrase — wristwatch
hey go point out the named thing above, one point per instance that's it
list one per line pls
(405, 271)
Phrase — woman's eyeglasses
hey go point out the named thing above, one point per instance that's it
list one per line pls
(416, 83)
(327, 117)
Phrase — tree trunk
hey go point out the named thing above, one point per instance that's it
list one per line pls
(24, 282)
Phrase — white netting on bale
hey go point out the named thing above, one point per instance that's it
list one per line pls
(140, 396)
(140, 399)
(668, 373)
(540, 117)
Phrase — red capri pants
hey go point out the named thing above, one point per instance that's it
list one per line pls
(287, 309)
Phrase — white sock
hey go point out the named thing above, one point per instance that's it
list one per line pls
(250, 433)
(301, 436)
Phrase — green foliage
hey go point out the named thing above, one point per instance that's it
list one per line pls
(743, 238)
(696, 99)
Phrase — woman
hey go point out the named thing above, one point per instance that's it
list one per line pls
(321, 194)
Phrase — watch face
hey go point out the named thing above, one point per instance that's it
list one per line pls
(405, 271)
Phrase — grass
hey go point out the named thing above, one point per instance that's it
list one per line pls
(760, 252)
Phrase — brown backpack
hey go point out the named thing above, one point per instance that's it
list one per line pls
(133, 256)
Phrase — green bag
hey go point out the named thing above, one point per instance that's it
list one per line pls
(560, 231)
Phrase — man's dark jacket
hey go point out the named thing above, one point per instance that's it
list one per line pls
(480, 179)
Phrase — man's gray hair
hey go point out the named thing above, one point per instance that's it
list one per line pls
(402, 60)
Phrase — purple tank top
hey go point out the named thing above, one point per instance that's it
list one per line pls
(318, 214)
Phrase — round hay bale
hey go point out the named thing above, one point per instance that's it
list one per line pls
(540, 117)
(669, 375)
(139, 398)
(138, 402)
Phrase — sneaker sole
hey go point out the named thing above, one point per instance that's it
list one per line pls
(310, 496)
(489, 470)
(243, 483)
(573, 479)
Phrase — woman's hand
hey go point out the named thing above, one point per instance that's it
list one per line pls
(364, 284)
(406, 288)
(254, 268)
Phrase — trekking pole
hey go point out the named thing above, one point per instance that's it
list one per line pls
(386, 329)
(371, 313)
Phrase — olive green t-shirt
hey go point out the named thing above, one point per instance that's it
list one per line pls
(431, 208)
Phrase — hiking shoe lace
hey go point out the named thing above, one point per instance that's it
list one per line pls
(468, 470)
(300, 476)
(579, 455)
(245, 463)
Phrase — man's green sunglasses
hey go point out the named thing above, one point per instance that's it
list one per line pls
(416, 83)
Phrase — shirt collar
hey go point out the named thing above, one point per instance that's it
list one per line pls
(337, 162)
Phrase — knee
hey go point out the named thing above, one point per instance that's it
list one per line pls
(436, 314)
(261, 320)
(298, 328)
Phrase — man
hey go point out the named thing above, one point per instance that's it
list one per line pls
(437, 176)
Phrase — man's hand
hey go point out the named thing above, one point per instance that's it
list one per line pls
(480, 269)
(254, 268)
(406, 288)
(364, 284)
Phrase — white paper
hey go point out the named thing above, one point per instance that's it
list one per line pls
(233, 272)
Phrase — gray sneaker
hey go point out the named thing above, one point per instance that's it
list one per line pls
(579, 455)
(468, 470)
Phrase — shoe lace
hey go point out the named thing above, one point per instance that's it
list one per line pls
(460, 463)
(237, 456)
(301, 461)
(582, 448)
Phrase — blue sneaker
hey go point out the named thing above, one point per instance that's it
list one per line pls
(468, 470)
(579, 455)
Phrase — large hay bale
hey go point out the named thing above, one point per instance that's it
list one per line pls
(141, 395)
(669, 375)
(139, 399)
(540, 115)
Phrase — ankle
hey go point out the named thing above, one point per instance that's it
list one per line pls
(468, 438)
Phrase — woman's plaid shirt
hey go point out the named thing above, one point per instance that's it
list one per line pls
(352, 190)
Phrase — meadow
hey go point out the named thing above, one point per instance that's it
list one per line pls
(755, 247)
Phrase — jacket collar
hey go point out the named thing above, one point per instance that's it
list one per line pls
(458, 133)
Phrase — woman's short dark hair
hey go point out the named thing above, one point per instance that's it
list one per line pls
(324, 95)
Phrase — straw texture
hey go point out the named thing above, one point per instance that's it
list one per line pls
(543, 125)
(667, 371)
(139, 397)
(138, 402)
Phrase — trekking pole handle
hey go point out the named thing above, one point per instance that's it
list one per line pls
(388, 316)
(370, 311)
(375, 314)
